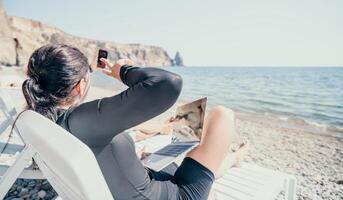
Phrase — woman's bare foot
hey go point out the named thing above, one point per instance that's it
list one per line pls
(233, 159)
(240, 153)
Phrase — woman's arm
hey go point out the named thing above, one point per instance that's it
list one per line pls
(153, 128)
(149, 129)
(151, 91)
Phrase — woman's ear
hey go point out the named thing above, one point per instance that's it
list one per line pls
(82, 87)
(78, 87)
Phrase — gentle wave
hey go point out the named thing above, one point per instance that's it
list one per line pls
(303, 122)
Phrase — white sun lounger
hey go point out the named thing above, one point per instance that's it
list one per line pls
(67, 163)
(249, 182)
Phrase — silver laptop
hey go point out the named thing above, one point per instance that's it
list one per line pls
(187, 130)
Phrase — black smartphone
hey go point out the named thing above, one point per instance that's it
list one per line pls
(102, 54)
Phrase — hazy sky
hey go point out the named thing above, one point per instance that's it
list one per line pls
(206, 32)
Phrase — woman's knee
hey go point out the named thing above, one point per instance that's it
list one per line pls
(123, 141)
(221, 120)
(223, 112)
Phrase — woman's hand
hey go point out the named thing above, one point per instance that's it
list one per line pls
(150, 128)
(94, 62)
(167, 128)
(113, 70)
(140, 152)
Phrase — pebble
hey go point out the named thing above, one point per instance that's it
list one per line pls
(26, 189)
(31, 184)
(41, 194)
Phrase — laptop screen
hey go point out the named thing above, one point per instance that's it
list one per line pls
(189, 121)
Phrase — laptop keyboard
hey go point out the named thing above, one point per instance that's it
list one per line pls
(174, 150)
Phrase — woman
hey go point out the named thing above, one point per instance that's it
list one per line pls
(59, 79)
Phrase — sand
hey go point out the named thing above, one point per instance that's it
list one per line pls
(314, 157)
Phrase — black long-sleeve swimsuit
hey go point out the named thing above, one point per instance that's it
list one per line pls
(101, 124)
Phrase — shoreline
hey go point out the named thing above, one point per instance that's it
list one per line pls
(291, 123)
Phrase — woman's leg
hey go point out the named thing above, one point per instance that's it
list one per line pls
(218, 133)
(127, 178)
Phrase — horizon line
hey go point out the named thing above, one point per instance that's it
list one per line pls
(261, 66)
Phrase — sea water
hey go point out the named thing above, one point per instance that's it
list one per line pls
(312, 95)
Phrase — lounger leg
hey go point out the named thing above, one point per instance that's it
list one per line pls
(4, 125)
(13, 172)
(62, 191)
(290, 188)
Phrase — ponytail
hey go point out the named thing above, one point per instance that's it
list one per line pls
(38, 100)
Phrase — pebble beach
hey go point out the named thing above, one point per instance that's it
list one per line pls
(314, 157)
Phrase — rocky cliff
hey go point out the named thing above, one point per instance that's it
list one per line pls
(7, 43)
(19, 37)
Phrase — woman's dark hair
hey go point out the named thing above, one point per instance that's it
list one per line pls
(53, 71)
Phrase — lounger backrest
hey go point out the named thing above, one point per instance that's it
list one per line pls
(71, 161)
